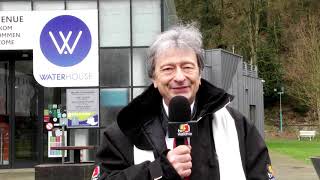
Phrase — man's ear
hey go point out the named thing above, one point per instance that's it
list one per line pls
(154, 83)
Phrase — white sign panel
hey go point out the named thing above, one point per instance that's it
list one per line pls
(14, 34)
(65, 50)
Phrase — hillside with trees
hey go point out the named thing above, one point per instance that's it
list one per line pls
(281, 37)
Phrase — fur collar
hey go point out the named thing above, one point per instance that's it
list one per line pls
(146, 107)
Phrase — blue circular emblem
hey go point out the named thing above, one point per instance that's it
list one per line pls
(65, 40)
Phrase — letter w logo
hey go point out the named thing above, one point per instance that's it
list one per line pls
(65, 42)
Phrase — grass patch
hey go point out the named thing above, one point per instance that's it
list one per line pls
(300, 150)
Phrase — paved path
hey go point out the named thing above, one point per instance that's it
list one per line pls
(286, 168)
(17, 174)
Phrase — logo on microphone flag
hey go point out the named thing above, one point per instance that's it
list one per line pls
(184, 128)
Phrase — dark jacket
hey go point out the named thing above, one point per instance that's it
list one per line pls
(142, 123)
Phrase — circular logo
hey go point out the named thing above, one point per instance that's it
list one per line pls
(65, 40)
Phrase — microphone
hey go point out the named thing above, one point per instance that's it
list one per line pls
(179, 116)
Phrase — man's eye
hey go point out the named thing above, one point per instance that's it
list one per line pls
(167, 69)
(188, 67)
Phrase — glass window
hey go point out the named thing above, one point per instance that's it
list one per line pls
(15, 6)
(169, 13)
(111, 102)
(140, 76)
(76, 4)
(52, 96)
(25, 91)
(137, 92)
(75, 136)
(115, 67)
(4, 114)
(84, 137)
(48, 5)
(114, 23)
(4, 96)
(146, 21)
(26, 113)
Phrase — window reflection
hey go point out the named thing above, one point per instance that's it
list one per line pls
(146, 21)
(4, 118)
(140, 76)
(111, 102)
(15, 6)
(137, 92)
(115, 67)
(114, 23)
(76, 4)
(48, 5)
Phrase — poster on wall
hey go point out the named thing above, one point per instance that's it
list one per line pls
(83, 108)
(55, 140)
(65, 48)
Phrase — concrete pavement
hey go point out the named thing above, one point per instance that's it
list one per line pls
(284, 167)
(17, 174)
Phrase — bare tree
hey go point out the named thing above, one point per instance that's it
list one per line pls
(303, 68)
(252, 10)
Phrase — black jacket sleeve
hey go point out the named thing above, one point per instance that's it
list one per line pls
(115, 157)
(257, 158)
(254, 153)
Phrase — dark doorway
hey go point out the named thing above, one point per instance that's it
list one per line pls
(21, 110)
(253, 114)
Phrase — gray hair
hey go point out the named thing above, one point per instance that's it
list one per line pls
(181, 37)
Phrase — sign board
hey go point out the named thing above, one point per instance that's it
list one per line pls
(65, 49)
(64, 44)
(14, 31)
(82, 108)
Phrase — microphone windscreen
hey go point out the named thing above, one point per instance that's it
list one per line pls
(179, 109)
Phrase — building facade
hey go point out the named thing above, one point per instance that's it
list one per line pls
(125, 30)
(228, 71)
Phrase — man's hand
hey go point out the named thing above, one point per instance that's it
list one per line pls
(180, 159)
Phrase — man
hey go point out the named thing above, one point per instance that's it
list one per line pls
(227, 146)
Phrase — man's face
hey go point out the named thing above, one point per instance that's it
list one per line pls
(177, 73)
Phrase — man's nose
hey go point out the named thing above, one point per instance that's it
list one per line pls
(179, 75)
